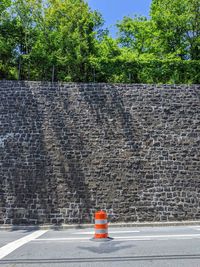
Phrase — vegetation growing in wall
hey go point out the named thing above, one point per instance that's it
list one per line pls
(64, 41)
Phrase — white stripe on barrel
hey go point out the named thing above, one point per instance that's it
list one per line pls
(100, 221)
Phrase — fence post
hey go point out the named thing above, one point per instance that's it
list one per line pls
(19, 68)
(28, 70)
(129, 77)
(94, 74)
(53, 73)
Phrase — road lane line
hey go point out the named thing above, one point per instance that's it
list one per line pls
(195, 227)
(63, 239)
(110, 232)
(159, 236)
(127, 238)
(10, 247)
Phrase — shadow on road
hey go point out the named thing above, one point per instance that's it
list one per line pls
(105, 248)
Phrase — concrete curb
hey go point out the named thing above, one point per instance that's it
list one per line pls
(83, 226)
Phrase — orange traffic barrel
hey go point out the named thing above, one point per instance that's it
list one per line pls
(101, 226)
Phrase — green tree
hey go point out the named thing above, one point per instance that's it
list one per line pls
(26, 14)
(178, 27)
(102, 61)
(67, 38)
(136, 34)
(4, 4)
(64, 40)
(7, 41)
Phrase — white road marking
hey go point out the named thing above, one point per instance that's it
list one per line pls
(194, 227)
(10, 247)
(127, 238)
(63, 239)
(160, 237)
(110, 232)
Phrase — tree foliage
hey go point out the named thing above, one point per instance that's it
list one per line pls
(178, 26)
(172, 31)
(136, 34)
(63, 40)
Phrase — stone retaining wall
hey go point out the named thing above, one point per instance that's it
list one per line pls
(67, 150)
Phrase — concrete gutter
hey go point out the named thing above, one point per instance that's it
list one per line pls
(83, 226)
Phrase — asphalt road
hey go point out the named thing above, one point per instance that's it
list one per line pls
(145, 246)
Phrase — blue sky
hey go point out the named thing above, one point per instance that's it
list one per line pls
(115, 10)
